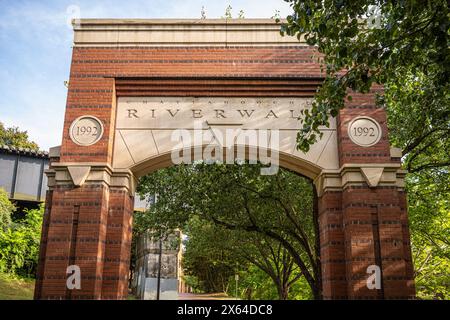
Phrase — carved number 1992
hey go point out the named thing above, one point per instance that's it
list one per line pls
(363, 131)
(84, 130)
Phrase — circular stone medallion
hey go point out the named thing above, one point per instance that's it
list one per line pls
(364, 131)
(86, 130)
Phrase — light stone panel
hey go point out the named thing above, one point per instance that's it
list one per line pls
(140, 144)
(146, 127)
(328, 158)
(190, 113)
(179, 32)
(121, 157)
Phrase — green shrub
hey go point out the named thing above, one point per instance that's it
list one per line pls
(19, 244)
(6, 209)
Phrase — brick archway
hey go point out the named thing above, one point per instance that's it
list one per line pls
(122, 70)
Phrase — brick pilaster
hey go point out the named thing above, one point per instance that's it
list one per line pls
(118, 245)
(43, 244)
(374, 218)
(332, 249)
(76, 236)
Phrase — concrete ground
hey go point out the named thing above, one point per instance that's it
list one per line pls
(207, 296)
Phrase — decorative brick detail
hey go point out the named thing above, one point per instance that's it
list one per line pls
(118, 247)
(43, 255)
(362, 104)
(373, 218)
(332, 247)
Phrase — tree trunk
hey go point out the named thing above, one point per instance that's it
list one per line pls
(284, 293)
(248, 294)
(317, 292)
(283, 290)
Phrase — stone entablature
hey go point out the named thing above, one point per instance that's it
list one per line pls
(371, 175)
(179, 32)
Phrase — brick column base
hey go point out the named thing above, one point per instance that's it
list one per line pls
(87, 226)
(118, 245)
(360, 227)
(332, 249)
(374, 222)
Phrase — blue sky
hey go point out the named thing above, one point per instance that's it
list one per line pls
(35, 50)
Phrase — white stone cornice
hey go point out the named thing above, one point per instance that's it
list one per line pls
(371, 174)
(179, 32)
(97, 173)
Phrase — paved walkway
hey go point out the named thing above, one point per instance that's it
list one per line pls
(207, 296)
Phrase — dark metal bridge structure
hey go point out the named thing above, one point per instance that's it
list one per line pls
(22, 176)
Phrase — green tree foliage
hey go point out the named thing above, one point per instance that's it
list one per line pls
(237, 197)
(13, 137)
(6, 210)
(429, 216)
(229, 14)
(272, 258)
(207, 257)
(19, 244)
(19, 239)
(222, 253)
(254, 284)
(402, 45)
